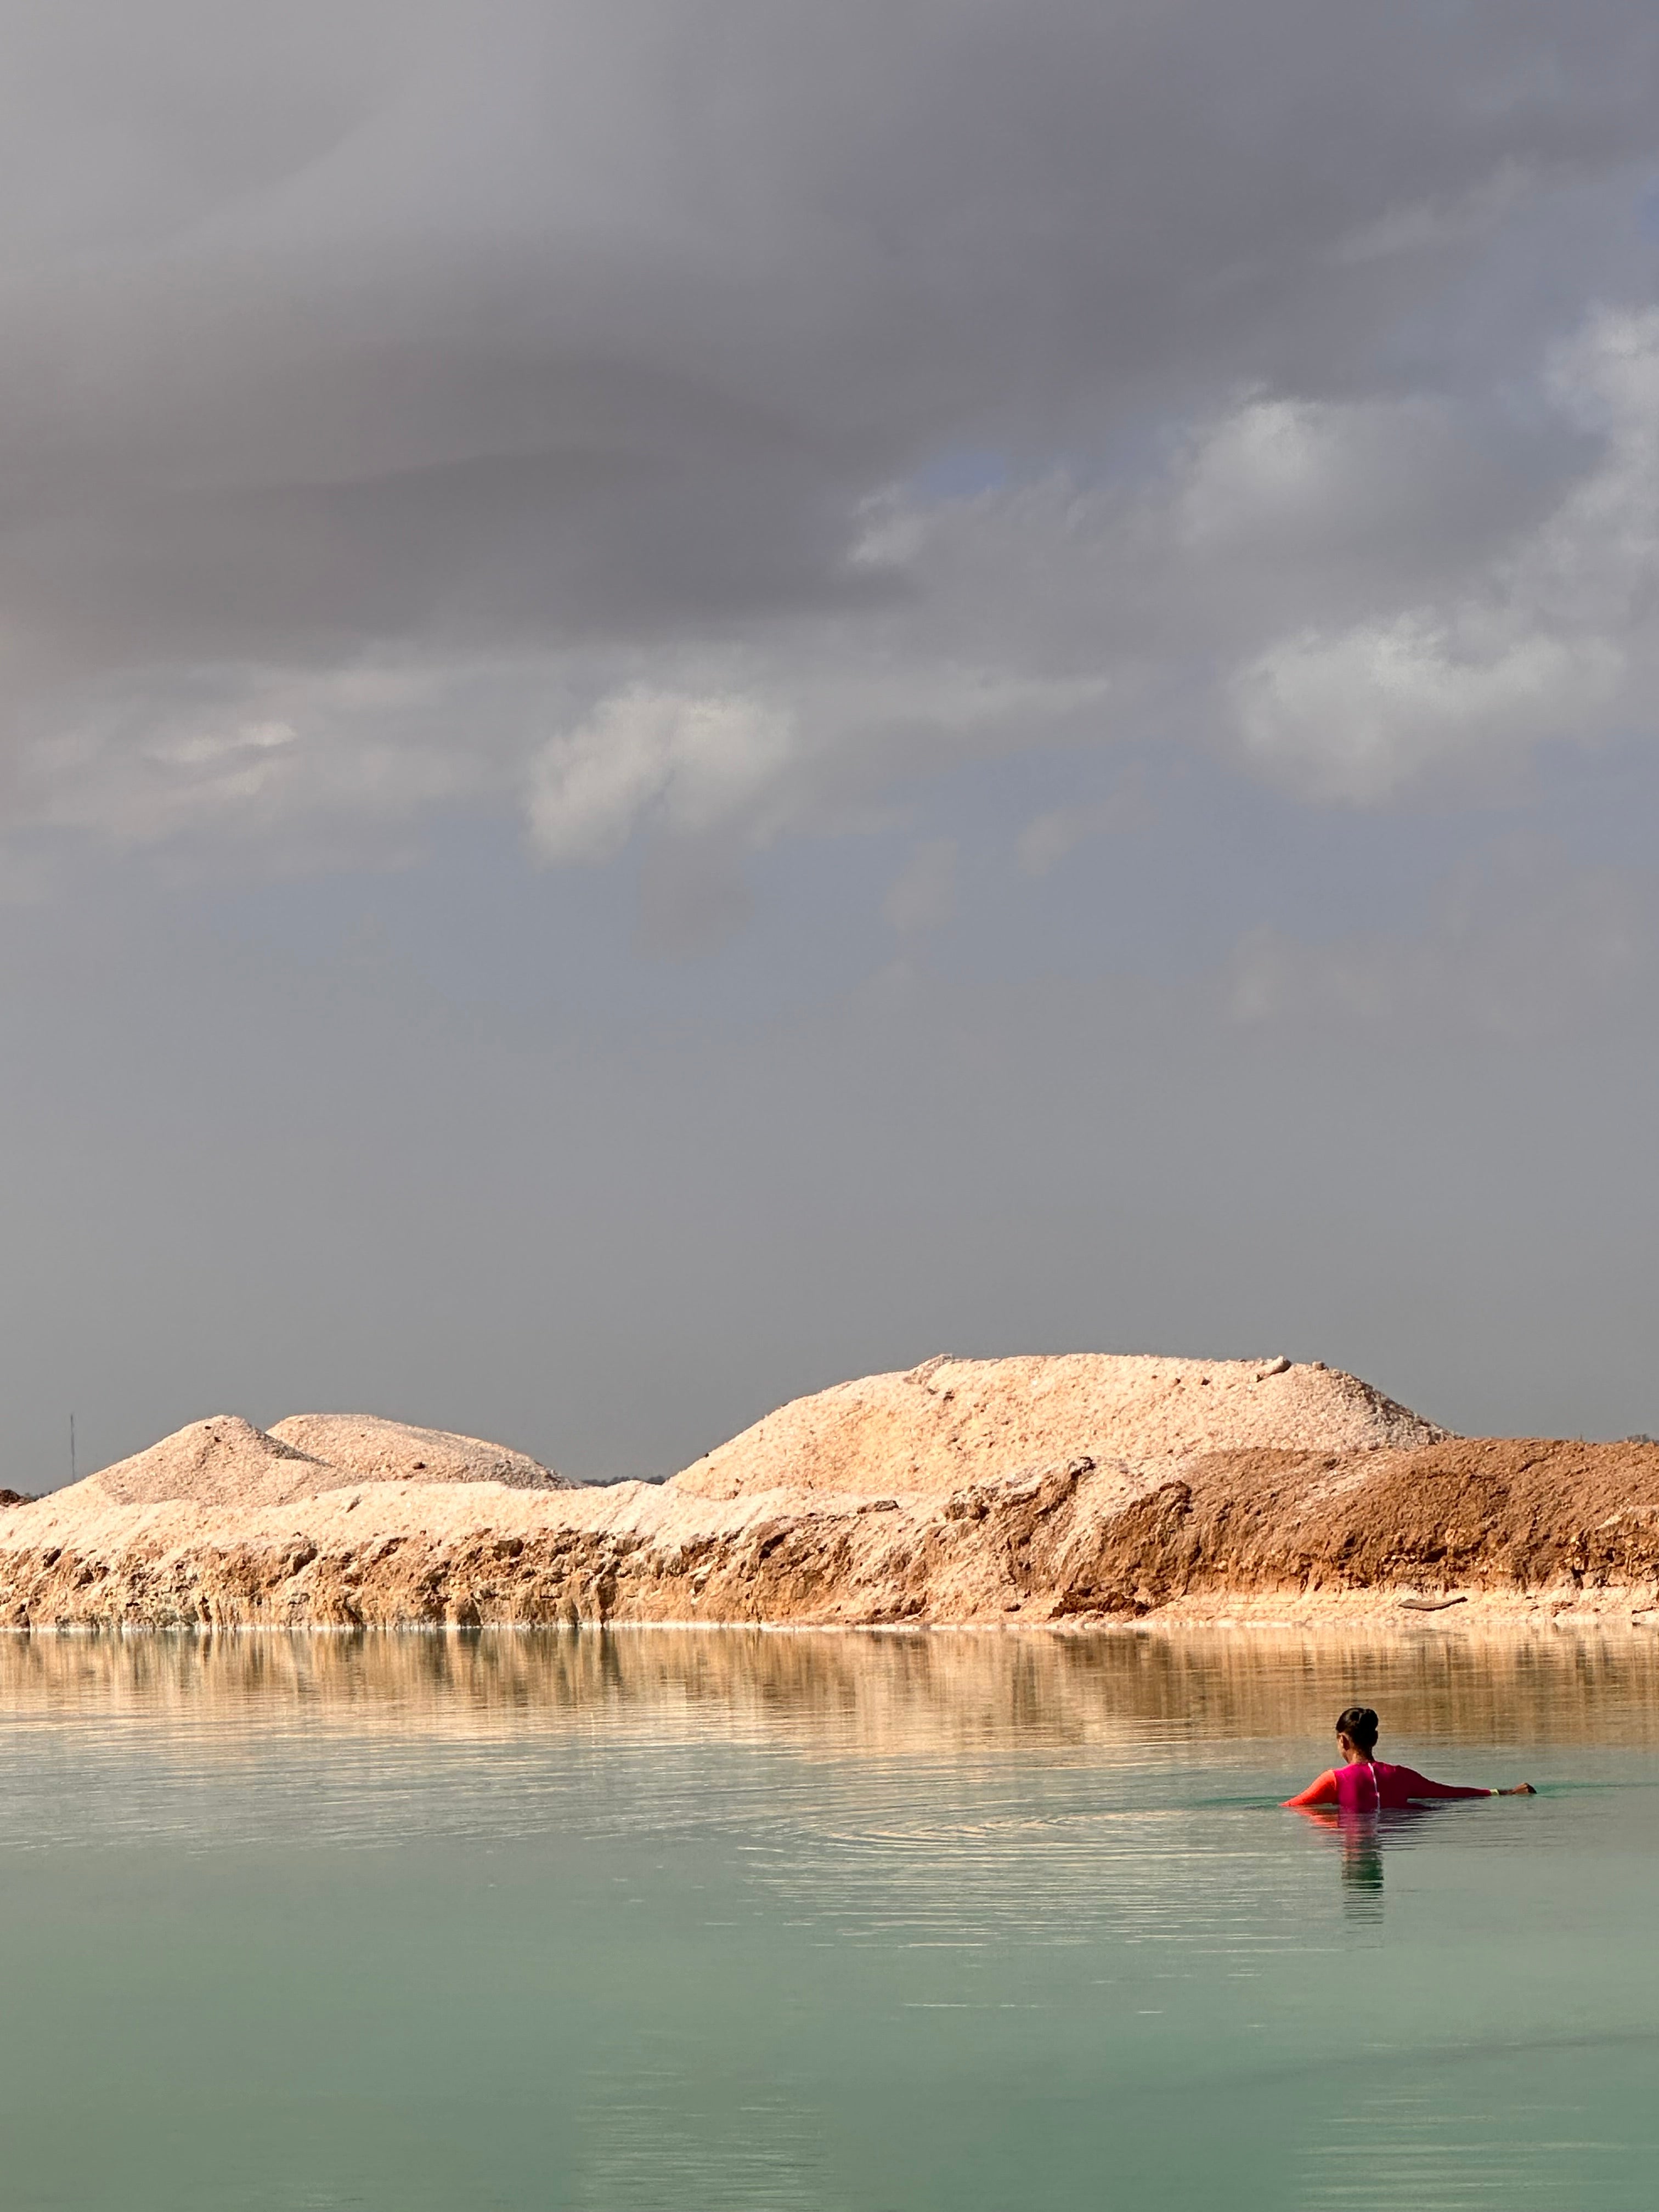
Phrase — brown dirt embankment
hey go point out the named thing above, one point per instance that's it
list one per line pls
(1468, 1514)
(1074, 1542)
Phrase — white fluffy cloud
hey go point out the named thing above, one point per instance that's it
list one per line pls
(1549, 638)
(693, 762)
(299, 765)
(1361, 714)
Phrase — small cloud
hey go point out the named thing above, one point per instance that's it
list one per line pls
(1359, 714)
(1516, 945)
(1047, 839)
(923, 895)
(694, 761)
(208, 748)
(1430, 225)
(693, 899)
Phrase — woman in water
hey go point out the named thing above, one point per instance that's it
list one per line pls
(1364, 1783)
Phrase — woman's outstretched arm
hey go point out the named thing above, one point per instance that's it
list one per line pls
(1322, 1792)
(1419, 1785)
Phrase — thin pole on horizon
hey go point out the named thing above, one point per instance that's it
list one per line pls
(71, 1447)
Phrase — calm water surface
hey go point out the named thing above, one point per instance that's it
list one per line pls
(682, 1921)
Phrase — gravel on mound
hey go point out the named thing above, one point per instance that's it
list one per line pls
(363, 1447)
(954, 1421)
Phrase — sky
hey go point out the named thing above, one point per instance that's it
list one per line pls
(703, 697)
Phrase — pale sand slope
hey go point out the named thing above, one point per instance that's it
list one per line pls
(953, 1421)
(368, 1450)
(226, 1464)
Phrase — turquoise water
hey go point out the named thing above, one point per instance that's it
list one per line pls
(701, 1922)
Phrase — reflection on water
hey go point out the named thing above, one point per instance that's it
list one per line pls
(1362, 1862)
(949, 1692)
(1361, 1839)
(671, 1921)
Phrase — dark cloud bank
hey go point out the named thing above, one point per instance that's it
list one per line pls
(701, 697)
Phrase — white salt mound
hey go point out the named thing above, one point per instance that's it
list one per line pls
(227, 1461)
(954, 1421)
(369, 1450)
(221, 1460)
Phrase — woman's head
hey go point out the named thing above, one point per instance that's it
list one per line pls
(1359, 1726)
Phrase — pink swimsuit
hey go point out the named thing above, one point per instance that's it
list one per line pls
(1365, 1785)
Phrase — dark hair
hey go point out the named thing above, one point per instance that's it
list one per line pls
(1358, 1724)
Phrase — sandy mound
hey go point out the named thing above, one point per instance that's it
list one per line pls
(954, 1421)
(225, 1462)
(368, 1450)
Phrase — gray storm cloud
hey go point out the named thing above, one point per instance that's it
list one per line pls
(1077, 579)
(697, 416)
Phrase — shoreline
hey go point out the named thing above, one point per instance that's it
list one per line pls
(1293, 1539)
(1256, 1612)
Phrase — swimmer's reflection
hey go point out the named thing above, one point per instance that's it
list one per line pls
(1362, 1838)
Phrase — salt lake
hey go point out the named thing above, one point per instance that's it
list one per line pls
(730, 1921)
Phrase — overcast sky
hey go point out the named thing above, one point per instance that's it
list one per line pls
(704, 696)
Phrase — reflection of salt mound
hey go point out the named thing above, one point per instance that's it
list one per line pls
(227, 1461)
(954, 1421)
(364, 1447)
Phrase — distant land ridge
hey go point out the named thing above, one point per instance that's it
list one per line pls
(1082, 1490)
